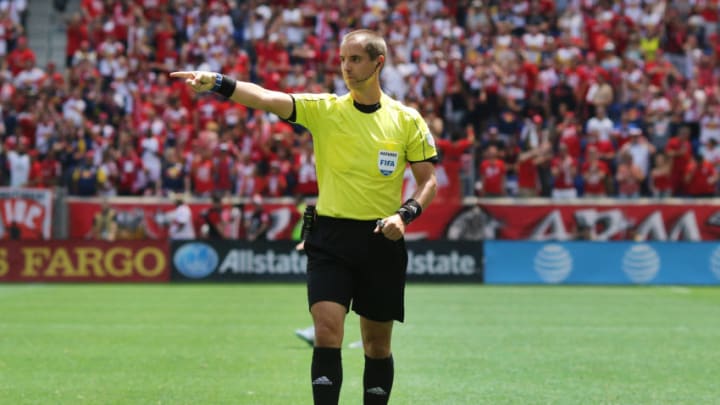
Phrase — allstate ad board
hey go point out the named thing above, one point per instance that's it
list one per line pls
(653, 263)
(227, 260)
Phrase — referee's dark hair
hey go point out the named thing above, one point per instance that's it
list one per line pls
(374, 43)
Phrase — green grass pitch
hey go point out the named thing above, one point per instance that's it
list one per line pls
(234, 344)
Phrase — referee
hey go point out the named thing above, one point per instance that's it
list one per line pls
(356, 253)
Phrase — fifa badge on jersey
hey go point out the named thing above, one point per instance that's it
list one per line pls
(387, 162)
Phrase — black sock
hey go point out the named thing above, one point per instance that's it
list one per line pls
(377, 380)
(326, 374)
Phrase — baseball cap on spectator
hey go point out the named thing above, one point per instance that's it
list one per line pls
(10, 143)
(696, 20)
(264, 11)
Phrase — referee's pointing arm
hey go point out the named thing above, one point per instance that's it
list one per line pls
(245, 93)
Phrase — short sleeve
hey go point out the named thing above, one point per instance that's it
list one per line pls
(421, 144)
(310, 108)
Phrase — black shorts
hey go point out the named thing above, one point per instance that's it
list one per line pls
(351, 265)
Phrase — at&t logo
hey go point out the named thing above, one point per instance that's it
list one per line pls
(641, 263)
(553, 263)
(715, 262)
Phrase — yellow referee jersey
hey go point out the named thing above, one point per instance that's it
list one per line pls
(361, 157)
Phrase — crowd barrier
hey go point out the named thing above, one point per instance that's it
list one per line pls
(589, 263)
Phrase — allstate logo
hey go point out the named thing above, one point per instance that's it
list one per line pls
(553, 263)
(195, 260)
(715, 262)
(641, 263)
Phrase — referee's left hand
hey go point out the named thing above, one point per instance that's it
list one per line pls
(393, 227)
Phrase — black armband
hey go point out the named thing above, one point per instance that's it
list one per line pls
(224, 85)
(409, 211)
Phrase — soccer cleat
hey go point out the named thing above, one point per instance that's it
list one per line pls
(307, 334)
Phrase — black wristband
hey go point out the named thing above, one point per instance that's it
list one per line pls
(224, 85)
(409, 211)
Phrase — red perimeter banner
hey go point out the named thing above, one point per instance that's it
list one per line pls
(689, 220)
(148, 219)
(616, 220)
(25, 213)
(75, 261)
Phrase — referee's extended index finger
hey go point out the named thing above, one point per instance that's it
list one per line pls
(183, 75)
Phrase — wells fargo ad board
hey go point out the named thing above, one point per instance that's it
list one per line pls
(84, 261)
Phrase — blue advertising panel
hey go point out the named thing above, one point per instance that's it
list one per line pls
(515, 262)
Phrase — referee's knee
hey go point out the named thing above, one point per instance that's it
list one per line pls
(376, 348)
(329, 319)
(328, 334)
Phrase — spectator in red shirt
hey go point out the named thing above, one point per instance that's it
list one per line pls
(679, 150)
(275, 182)
(305, 169)
(224, 166)
(92, 8)
(564, 170)
(492, 174)
(569, 131)
(528, 181)
(50, 170)
(244, 173)
(20, 56)
(131, 172)
(77, 32)
(629, 176)
(202, 174)
(661, 177)
(700, 177)
(595, 173)
(451, 154)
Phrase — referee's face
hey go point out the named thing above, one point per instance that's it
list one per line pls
(357, 68)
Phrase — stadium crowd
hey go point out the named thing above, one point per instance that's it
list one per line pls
(551, 98)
